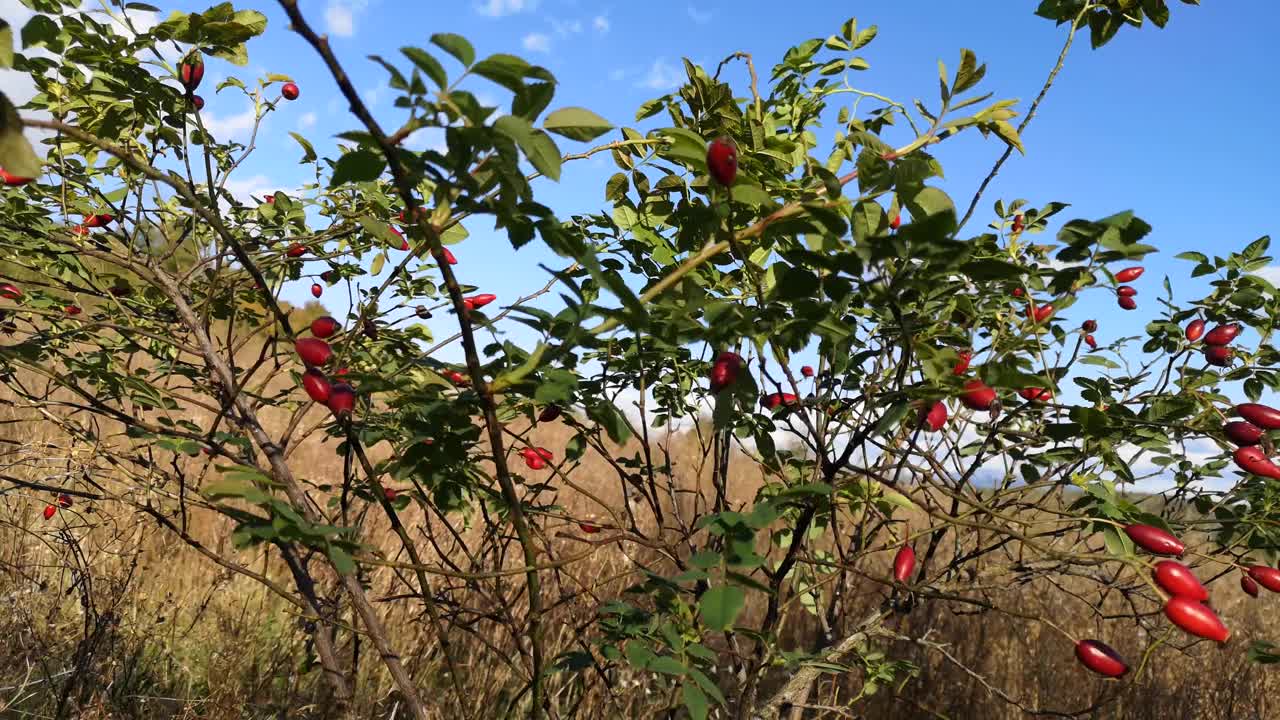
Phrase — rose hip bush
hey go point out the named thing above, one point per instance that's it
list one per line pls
(796, 215)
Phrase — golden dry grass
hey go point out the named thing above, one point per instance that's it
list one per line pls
(175, 636)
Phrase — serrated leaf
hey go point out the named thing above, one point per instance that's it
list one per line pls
(455, 45)
(720, 606)
(357, 166)
(576, 123)
(309, 152)
(537, 146)
(428, 65)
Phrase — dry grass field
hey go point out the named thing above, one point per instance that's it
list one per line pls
(148, 628)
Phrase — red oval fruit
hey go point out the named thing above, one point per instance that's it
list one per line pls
(341, 372)
(1177, 579)
(1242, 433)
(935, 417)
(289, 91)
(1263, 416)
(1089, 326)
(1126, 291)
(342, 399)
(1218, 355)
(1254, 460)
(316, 290)
(896, 222)
(316, 385)
(100, 220)
(296, 250)
(1035, 394)
(532, 460)
(191, 71)
(776, 400)
(456, 377)
(9, 291)
(390, 494)
(1267, 577)
(404, 244)
(904, 563)
(1130, 274)
(1222, 334)
(807, 371)
(49, 510)
(448, 256)
(1091, 342)
(72, 310)
(549, 413)
(64, 500)
(722, 160)
(1100, 658)
(197, 101)
(323, 327)
(479, 301)
(327, 276)
(1248, 585)
(1019, 292)
(13, 180)
(962, 364)
(1039, 314)
(977, 395)
(1195, 330)
(1127, 303)
(725, 370)
(589, 528)
(544, 453)
(312, 351)
(1017, 223)
(1196, 619)
(1154, 540)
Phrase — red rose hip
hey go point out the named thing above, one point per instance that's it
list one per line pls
(904, 563)
(1177, 579)
(1254, 460)
(1222, 334)
(977, 395)
(1267, 577)
(1130, 274)
(1196, 619)
(289, 91)
(1263, 416)
(1242, 433)
(935, 417)
(312, 351)
(724, 371)
(1154, 540)
(722, 161)
(1195, 330)
(316, 385)
(323, 327)
(1100, 658)
(1248, 585)
(1218, 355)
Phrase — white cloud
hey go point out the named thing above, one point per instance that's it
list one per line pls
(702, 17)
(537, 42)
(307, 121)
(661, 76)
(230, 127)
(499, 8)
(568, 27)
(340, 16)
(251, 189)
(600, 24)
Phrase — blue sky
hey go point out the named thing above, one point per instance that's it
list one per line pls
(1174, 124)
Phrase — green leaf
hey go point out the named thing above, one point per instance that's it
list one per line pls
(378, 262)
(6, 45)
(428, 65)
(16, 154)
(576, 123)
(506, 70)
(969, 74)
(538, 146)
(342, 561)
(455, 45)
(720, 606)
(695, 700)
(357, 166)
(309, 152)
(611, 419)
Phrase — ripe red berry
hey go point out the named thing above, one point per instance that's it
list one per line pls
(1126, 291)
(549, 413)
(1035, 394)
(316, 385)
(532, 459)
(544, 453)
(100, 220)
(448, 256)
(977, 395)
(1017, 223)
(1100, 658)
(1089, 326)
(197, 101)
(1195, 330)
(1248, 585)
(896, 222)
(342, 399)
(9, 291)
(1130, 274)
(289, 91)
(323, 327)
(1177, 579)
(191, 71)
(935, 417)
(1196, 619)
(404, 244)
(1218, 355)
(270, 199)
(1039, 314)
(589, 528)
(1091, 342)
(1242, 433)
(316, 290)
(1267, 577)
(1222, 334)
(296, 250)
(49, 511)
(72, 310)
(1154, 540)
(962, 363)
(341, 372)
(807, 371)
(390, 494)
(1019, 292)
(904, 563)
(312, 351)
(1264, 416)
(775, 400)
(64, 500)
(1254, 460)
(478, 301)
(722, 160)
(13, 180)
(1127, 303)
(725, 371)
